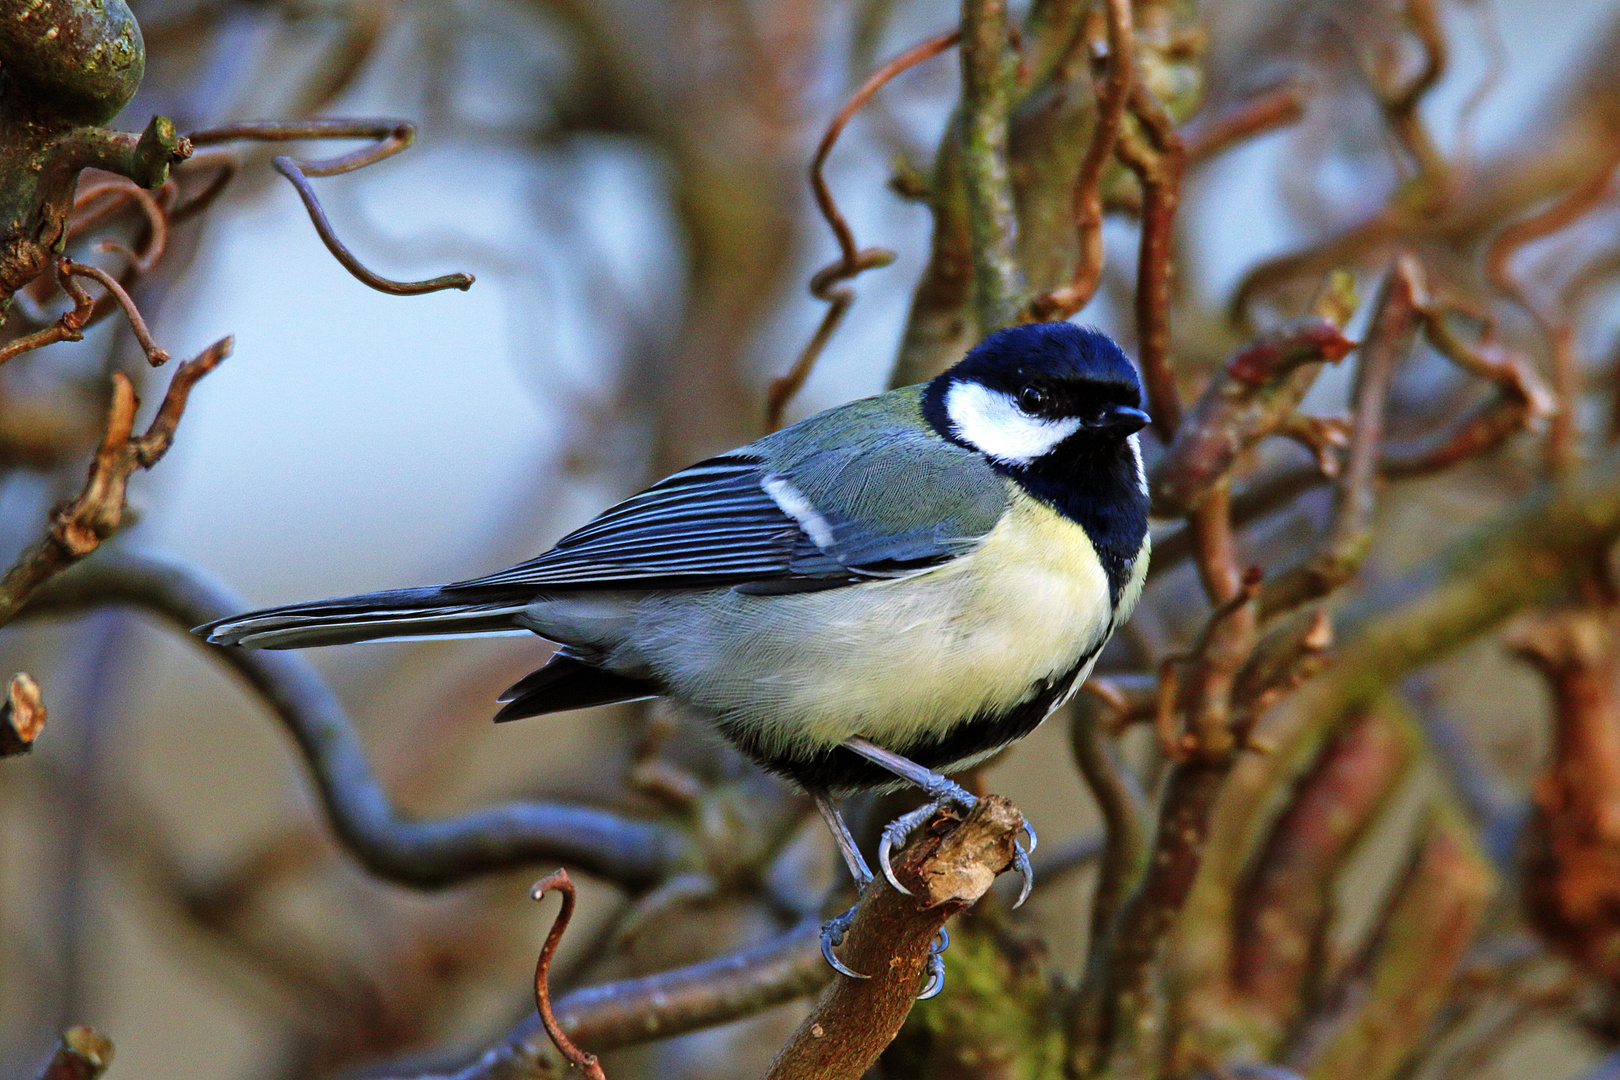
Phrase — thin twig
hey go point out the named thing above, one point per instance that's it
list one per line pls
(154, 355)
(1088, 208)
(70, 327)
(1278, 106)
(391, 137)
(1562, 434)
(826, 284)
(661, 1006)
(157, 223)
(290, 169)
(79, 528)
(558, 882)
(1396, 322)
(1251, 398)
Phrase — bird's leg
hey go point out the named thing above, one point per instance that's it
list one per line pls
(941, 791)
(846, 843)
(834, 929)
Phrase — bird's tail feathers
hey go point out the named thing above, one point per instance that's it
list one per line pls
(426, 612)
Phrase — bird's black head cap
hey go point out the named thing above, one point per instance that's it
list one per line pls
(1060, 357)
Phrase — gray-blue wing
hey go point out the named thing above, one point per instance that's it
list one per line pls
(780, 522)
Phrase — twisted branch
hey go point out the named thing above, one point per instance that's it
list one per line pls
(424, 854)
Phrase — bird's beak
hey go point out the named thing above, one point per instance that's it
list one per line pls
(1120, 421)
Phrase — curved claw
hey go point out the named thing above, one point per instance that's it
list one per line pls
(1027, 872)
(833, 962)
(936, 977)
(832, 933)
(1034, 841)
(942, 941)
(885, 847)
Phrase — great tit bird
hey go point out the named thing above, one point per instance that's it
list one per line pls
(885, 592)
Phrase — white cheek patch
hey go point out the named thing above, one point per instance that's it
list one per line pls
(992, 423)
(1141, 470)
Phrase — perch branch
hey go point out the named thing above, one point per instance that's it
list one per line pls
(424, 854)
(947, 869)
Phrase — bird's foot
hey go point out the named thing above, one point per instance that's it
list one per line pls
(948, 793)
(832, 936)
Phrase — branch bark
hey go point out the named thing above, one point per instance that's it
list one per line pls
(987, 77)
(947, 869)
(79, 528)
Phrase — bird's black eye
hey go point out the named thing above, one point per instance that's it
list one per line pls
(1032, 399)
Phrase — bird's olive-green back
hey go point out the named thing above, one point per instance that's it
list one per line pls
(890, 486)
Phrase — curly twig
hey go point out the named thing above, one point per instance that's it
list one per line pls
(1112, 99)
(391, 136)
(154, 355)
(853, 260)
(586, 1063)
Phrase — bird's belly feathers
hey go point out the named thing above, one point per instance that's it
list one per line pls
(897, 661)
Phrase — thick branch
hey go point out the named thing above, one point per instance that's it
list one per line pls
(425, 854)
(987, 76)
(1119, 800)
(1281, 911)
(1393, 992)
